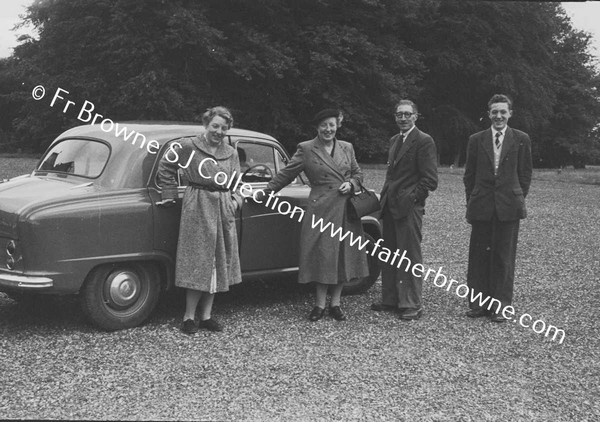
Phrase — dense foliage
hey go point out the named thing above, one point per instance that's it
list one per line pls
(275, 63)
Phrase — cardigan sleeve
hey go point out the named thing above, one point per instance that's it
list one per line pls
(167, 177)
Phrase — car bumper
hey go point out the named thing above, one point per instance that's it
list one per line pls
(25, 282)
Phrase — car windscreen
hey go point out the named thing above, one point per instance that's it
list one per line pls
(77, 157)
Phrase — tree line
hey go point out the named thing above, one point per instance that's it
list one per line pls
(274, 63)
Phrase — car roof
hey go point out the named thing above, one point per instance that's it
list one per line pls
(157, 130)
(129, 165)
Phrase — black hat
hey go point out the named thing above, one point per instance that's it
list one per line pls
(325, 114)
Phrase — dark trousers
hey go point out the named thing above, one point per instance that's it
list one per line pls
(399, 287)
(492, 254)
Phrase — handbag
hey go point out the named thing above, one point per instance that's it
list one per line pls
(363, 203)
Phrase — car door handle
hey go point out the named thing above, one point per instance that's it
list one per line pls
(166, 203)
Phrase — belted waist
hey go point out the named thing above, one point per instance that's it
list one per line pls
(208, 188)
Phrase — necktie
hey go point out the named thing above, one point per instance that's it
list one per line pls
(398, 146)
(498, 135)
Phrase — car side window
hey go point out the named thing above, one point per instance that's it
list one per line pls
(281, 162)
(257, 161)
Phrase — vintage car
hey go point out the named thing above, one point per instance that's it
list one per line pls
(86, 221)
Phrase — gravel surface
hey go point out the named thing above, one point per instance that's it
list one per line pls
(271, 363)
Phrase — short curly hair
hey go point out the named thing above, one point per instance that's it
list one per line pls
(409, 103)
(500, 98)
(220, 111)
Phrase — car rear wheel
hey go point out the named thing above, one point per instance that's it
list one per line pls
(361, 285)
(120, 296)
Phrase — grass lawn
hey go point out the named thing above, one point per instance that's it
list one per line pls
(588, 176)
(16, 166)
(271, 363)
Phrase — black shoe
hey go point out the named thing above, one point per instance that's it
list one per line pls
(316, 314)
(189, 326)
(379, 307)
(211, 325)
(411, 314)
(498, 318)
(337, 314)
(477, 313)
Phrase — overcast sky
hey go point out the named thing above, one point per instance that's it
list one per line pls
(585, 16)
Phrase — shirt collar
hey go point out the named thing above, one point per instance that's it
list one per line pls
(502, 132)
(405, 134)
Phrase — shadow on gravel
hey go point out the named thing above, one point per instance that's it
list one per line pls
(42, 313)
(248, 294)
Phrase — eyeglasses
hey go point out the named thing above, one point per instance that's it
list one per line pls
(406, 114)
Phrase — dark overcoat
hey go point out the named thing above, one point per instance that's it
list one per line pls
(505, 192)
(323, 257)
(207, 249)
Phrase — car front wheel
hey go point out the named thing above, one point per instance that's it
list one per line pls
(361, 285)
(119, 296)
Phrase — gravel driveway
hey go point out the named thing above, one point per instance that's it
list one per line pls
(271, 363)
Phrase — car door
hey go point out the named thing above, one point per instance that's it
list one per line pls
(270, 231)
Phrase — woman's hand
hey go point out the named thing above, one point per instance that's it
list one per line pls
(345, 188)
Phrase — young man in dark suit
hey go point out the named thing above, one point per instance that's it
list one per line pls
(411, 175)
(497, 178)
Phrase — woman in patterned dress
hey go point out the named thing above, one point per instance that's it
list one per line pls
(207, 250)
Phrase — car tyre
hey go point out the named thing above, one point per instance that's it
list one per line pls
(361, 285)
(119, 296)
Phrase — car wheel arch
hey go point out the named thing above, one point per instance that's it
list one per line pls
(119, 295)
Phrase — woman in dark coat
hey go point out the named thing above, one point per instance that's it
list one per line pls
(207, 250)
(331, 168)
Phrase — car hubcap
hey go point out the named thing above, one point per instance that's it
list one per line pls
(123, 288)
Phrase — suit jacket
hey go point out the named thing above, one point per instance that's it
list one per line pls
(505, 192)
(411, 173)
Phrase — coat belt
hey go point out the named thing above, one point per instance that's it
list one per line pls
(208, 188)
